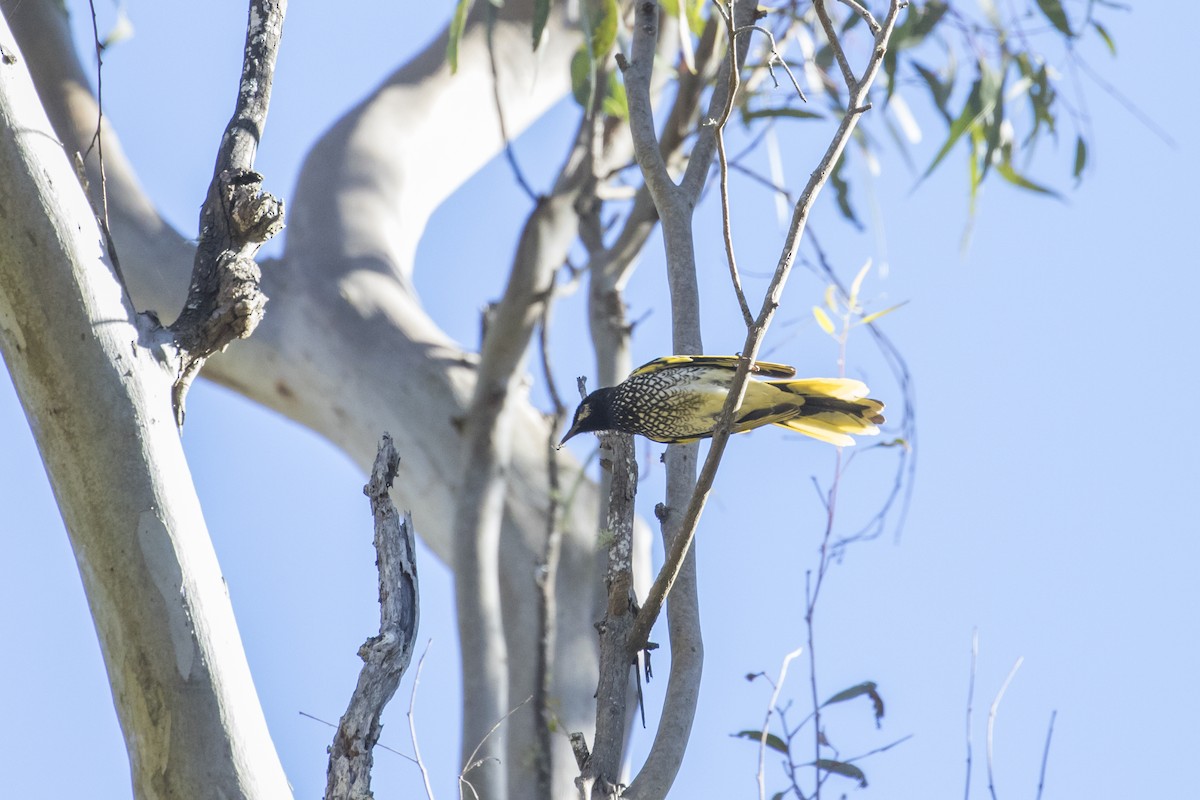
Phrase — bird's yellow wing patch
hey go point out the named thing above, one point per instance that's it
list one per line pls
(765, 369)
(839, 388)
(820, 430)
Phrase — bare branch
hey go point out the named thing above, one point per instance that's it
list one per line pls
(766, 726)
(385, 657)
(547, 572)
(224, 299)
(412, 722)
(722, 159)
(991, 723)
(603, 767)
(1045, 756)
(835, 44)
(970, 707)
(864, 12)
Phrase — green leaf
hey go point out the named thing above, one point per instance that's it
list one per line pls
(866, 687)
(1058, 17)
(938, 90)
(841, 193)
(1080, 159)
(457, 24)
(581, 76)
(773, 741)
(541, 14)
(823, 320)
(616, 102)
(976, 112)
(1010, 174)
(1108, 40)
(924, 22)
(771, 113)
(604, 28)
(966, 119)
(842, 768)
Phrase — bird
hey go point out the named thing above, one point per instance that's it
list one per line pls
(678, 399)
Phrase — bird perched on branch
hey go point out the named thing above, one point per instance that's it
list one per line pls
(679, 399)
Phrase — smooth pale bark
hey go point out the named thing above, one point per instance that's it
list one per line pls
(94, 380)
(346, 347)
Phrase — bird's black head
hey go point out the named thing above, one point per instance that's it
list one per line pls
(593, 414)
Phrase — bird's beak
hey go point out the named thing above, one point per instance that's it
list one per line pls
(573, 430)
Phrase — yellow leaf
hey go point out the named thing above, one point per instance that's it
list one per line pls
(858, 279)
(869, 318)
(831, 298)
(823, 320)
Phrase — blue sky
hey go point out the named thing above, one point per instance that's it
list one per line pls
(1053, 509)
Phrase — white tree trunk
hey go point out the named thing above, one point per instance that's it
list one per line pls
(95, 381)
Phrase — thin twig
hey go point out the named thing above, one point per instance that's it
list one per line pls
(762, 741)
(775, 58)
(547, 575)
(1129, 105)
(723, 161)
(862, 11)
(811, 596)
(471, 762)
(878, 750)
(835, 45)
(98, 139)
(1045, 756)
(970, 707)
(329, 724)
(509, 153)
(991, 723)
(412, 721)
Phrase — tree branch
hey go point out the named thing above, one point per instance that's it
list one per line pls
(603, 769)
(385, 657)
(224, 300)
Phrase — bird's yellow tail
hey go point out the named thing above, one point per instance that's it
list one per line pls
(832, 409)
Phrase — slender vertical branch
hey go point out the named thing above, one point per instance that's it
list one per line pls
(1045, 756)
(488, 442)
(603, 768)
(991, 723)
(970, 708)
(547, 575)
(386, 656)
(835, 44)
(723, 161)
